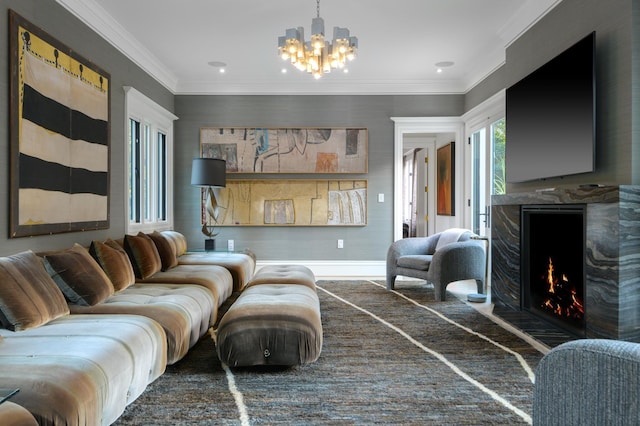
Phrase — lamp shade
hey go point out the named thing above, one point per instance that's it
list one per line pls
(209, 172)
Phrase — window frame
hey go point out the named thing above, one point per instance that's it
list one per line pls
(156, 120)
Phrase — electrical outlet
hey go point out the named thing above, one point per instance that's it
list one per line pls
(381, 198)
(230, 245)
(340, 243)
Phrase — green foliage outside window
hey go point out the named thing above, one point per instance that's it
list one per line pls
(499, 139)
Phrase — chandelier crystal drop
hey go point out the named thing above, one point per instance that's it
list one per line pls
(317, 56)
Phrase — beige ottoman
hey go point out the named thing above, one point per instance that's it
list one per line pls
(284, 274)
(273, 323)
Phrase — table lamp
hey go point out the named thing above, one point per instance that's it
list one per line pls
(209, 173)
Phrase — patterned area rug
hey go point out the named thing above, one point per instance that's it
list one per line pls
(387, 358)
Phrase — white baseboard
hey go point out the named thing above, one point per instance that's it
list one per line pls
(327, 269)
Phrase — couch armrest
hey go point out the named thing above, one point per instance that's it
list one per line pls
(588, 382)
(406, 246)
(462, 260)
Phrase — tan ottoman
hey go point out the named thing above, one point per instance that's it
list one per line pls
(272, 323)
(284, 274)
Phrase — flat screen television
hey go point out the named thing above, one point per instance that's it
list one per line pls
(550, 117)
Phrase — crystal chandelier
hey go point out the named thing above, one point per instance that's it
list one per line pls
(317, 56)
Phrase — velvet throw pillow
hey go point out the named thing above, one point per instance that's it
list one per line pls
(143, 255)
(115, 262)
(166, 249)
(28, 296)
(79, 276)
(179, 241)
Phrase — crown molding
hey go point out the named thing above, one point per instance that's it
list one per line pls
(529, 14)
(352, 87)
(96, 18)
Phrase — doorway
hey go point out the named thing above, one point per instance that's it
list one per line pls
(418, 148)
(406, 130)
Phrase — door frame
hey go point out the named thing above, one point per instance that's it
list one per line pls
(407, 125)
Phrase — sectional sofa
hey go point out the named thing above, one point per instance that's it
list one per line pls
(86, 329)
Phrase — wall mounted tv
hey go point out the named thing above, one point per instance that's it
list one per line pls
(550, 117)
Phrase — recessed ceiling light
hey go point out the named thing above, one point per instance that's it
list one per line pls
(441, 65)
(218, 64)
(283, 71)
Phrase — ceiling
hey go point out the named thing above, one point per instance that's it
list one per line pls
(399, 42)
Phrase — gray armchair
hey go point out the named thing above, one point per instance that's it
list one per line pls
(441, 258)
(588, 382)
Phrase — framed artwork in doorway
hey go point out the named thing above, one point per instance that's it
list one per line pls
(446, 180)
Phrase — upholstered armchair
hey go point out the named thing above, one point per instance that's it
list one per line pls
(441, 258)
(588, 382)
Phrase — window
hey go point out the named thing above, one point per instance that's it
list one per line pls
(486, 131)
(498, 142)
(149, 167)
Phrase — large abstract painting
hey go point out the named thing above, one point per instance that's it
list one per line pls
(293, 202)
(59, 136)
(287, 150)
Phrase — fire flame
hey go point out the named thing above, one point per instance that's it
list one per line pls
(562, 298)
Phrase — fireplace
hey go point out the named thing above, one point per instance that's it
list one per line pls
(610, 253)
(553, 264)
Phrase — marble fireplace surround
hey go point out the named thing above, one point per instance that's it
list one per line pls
(612, 285)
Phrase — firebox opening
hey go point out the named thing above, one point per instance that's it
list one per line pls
(553, 264)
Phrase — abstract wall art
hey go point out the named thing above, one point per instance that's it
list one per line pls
(287, 150)
(59, 136)
(446, 180)
(293, 202)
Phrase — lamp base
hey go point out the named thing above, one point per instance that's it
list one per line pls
(209, 244)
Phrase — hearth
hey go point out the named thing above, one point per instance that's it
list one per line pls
(611, 256)
(553, 264)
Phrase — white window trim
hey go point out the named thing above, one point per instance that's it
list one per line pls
(147, 112)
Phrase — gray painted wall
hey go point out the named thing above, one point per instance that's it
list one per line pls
(616, 24)
(64, 27)
(302, 243)
(616, 161)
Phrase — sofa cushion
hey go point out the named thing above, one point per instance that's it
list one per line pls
(179, 240)
(79, 276)
(28, 296)
(83, 370)
(185, 312)
(143, 254)
(16, 415)
(419, 262)
(166, 249)
(115, 262)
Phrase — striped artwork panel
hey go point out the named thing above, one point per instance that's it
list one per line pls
(63, 151)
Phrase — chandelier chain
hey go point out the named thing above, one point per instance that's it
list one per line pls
(317, 8)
